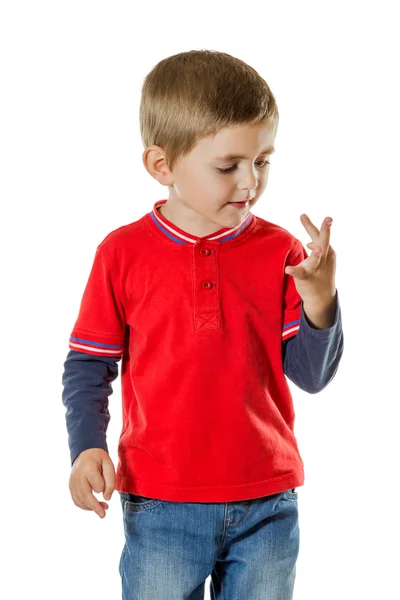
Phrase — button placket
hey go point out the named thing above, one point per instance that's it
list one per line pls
(206, 305)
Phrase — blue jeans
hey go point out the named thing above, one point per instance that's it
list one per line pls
(248, 547)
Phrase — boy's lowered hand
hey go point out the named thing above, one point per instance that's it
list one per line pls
(93, 469)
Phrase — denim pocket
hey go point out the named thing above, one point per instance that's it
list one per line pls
(291, 494)
(136, 503)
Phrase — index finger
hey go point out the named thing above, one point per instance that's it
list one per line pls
(320, 237)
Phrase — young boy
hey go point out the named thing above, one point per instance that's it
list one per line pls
(209, 307)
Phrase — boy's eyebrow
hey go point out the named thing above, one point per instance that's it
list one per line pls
(268, 150)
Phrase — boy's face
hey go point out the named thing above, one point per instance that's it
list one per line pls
(200, 194)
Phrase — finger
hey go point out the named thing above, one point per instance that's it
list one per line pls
(95, 478)
(308, 265)
(91, 503)
(311, 246)
(109, 479)
(89, 500)
(87, 504)
(319, 237)
(315, 256)
(103, 504)
(325, 233)
(311, 229)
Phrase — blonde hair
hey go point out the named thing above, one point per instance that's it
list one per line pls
(193, 94)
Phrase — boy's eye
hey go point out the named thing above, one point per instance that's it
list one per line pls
(263, 164)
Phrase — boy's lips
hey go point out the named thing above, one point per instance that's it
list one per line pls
(239, 204)
(242, 201)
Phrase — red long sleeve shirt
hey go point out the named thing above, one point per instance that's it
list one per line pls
(199, 323)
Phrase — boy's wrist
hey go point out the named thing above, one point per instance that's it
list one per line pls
(320, 314)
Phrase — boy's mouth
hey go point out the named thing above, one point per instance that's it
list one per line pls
(239, 204)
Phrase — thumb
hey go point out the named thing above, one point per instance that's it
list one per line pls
(109, 478)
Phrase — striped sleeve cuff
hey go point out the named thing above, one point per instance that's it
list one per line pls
(94, 345)
(290, 329)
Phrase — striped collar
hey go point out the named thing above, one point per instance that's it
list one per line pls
(180, 236)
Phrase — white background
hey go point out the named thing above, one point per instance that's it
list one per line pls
(71, 172)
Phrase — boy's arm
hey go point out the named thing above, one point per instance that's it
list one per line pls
(96, 344)
(87, 385)
(311, 357)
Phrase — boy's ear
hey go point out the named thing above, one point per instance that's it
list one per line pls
(154, 161)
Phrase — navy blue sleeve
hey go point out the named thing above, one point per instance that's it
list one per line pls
(311, 357)
(87, 385)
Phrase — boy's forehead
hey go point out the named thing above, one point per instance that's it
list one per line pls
(237, 142)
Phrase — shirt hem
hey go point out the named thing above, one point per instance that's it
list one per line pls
(232, 493)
